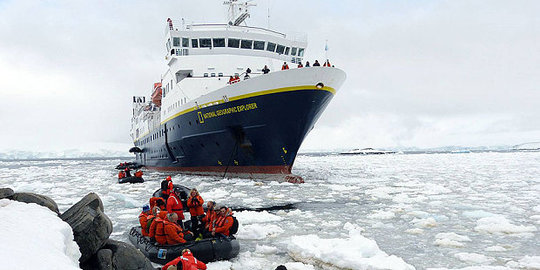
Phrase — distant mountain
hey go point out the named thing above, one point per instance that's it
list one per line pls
(528, 146)
(86, 151)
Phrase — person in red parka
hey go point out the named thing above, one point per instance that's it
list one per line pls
(173, 232)
(159, 202)
(157, 228)
(195, 203)
(170, 186)
(187, 260)
(174, 205)
(223, 223)
(121, 174)
(143, 219)
(210, 216)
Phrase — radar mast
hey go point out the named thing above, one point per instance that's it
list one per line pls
(238, 11)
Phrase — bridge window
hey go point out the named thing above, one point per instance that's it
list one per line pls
(219, 42)
(271, 47)
(280, 49)
(220, 74)
(213, 74)
(293, 52)
(206, 42)
(287, 50)
(176, 41)
(185, 42)
(300, 52)
(246, 44)
(205, 74)
(195, 43)
(258, 45)
(233, 43)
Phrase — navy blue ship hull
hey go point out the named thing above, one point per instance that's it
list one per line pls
(253, 135)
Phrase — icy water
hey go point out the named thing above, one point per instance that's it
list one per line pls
(354, 212)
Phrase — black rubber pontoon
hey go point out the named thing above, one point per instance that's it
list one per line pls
(131, 179)
(206, 250)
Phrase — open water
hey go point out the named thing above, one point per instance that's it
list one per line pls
(399, 211)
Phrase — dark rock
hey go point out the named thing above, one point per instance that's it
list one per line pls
(6, 193)
(104, 259)
(36, 198)
(91, 227)
(127, 257)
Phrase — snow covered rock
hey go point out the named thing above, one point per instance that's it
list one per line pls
(37, 199)
(6, 193)
(33, 237)
(91, 227)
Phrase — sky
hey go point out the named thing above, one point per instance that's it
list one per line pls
(420, 74)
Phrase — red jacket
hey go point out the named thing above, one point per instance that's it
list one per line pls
(157, 230)
(143, 218)
(170, 186)
(121, 174)
(209, 219)
(174, 205)
(153, 202)
(195, 206)
(173, 233)
(223, 224)
(188, 262)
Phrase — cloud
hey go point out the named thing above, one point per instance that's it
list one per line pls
(420, 73)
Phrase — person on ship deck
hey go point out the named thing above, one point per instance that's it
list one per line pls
(285, 66)
(265, 69)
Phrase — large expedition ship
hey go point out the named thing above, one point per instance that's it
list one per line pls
(201, 120)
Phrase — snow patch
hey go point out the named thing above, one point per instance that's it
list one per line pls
(52, 245)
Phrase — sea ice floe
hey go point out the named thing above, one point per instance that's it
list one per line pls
(250, 217)
(495, 249)
(354, 252)
(414, 231)
(499, 224)
(381, 214)
(473, 258)
(478, 214)
(527, 262)
(450, 240)
(258, 231)
(298, 266)
(424, 222)
(263, 249)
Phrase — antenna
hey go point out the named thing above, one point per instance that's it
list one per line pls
(238, 11)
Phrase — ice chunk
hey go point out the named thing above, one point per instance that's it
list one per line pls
(354, 252)
(499, 224)
(450, 240)
(473, 258)
(495, 249)
(380, 214)
(298, 266)
(258, 231)
(262, 249)
(527, 262)
(415, 231)
(478, 214)
(250, 217)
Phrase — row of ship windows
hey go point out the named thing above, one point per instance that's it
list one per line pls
(235, 43)
(159, 134)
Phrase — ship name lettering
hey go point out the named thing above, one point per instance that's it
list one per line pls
(231, 110)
